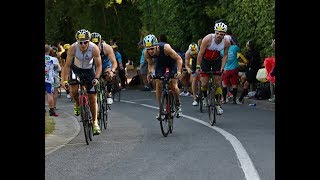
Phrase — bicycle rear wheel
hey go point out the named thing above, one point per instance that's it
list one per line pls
(212, 107)
(164, 114)
(172, 115)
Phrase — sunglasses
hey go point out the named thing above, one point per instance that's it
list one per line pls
(150, 49)
(221, 34)
(83, 42)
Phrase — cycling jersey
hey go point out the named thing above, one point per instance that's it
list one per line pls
(163, 61)
(84, 60)
(106, 63)
(213, 51)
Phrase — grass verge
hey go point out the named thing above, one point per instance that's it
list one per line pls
(49, 124)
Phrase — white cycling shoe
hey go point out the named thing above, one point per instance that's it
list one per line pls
(219, 110)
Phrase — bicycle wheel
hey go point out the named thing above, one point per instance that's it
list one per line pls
(105, 108)
(172, 114)
(84, 119)
(100, 105)
(200, 97)
(89, 124)
(164, 114)
(212, 106)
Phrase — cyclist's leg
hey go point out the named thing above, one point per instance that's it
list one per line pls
(218, 80)
(205, 67)
(108, 83)
(174, 87)
(92, 95)
(194, 86)
(159, 71)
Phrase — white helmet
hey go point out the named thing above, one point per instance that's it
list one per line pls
(220, 26)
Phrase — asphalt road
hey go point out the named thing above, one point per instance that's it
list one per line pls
(240, 146)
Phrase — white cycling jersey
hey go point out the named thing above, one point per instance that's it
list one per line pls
(84, 60)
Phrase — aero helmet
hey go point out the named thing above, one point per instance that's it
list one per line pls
(193, 48)
(149, 40)
(220, 26)
(66, 46)
(95, 37)
(83, 35)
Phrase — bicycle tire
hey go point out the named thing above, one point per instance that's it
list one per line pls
(83, 119)
(164, 114)
(200, 97)
(105, 111)
(212, 107)
(100, 106)
(171, 116)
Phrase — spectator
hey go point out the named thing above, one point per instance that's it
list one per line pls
(57, 78)
(254, 64)
(143, 68)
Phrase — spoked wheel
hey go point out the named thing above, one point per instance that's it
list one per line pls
(89, 126)
(165, 114)
(212, 110)
(171, 116)
(84, 123)
(100, 109)
(105, 108)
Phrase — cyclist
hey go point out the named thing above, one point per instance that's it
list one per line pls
(190, 65)
(109, 63)
(84, 54)
(165, 57)
(209, 57)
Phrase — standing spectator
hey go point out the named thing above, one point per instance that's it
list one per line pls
(57, 78)
(143, 68)
(272, 75)
(49, 79)
(230, 74)
(254, 64)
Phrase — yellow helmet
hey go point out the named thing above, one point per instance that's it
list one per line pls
(66, 46)
(193, 48)
(220, 26)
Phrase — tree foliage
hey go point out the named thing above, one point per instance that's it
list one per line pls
(183, 21)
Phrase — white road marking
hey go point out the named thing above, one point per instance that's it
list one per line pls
(247, 166)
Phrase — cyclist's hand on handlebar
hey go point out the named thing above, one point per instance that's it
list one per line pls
(178, 75)
(149, 77)
(65, 85)
(95, 81)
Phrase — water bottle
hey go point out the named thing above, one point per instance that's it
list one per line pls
(253, 104)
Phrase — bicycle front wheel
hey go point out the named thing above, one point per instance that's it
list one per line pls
(212, 107)
(200, 97)
(84, 120)
(164, 114)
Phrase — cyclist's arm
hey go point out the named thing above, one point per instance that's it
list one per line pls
(97, 60)
(225, 54)
(107, 49)
(66, 68)
(174, 55)
(187, 61)
(148, 58)
(204, 44)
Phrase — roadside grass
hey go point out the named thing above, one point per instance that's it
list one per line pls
(49, 124)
